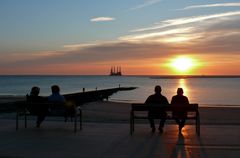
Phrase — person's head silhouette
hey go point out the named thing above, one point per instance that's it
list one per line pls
(55, 89)
(180, 91)
(35, 91)
(158, 89)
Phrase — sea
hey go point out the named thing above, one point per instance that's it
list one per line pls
(207, 92)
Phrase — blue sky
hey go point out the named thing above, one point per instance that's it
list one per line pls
(29, 28)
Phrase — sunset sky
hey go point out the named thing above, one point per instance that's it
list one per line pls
(144, 37)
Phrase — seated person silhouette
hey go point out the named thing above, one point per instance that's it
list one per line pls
(56, 97)
(38, 109)
(180, 115)
(157, 99)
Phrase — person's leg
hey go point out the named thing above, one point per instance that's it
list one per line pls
(181, 124)
(152, 124)
(161, 125)
(177, 121)
(42, 113)
(162, 122)
(40, 119)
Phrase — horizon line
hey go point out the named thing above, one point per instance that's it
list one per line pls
(154, 75)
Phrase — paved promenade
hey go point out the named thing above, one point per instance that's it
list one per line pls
(112, 140)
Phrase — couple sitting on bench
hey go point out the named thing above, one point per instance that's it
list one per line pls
(41, 110)
(158, 98)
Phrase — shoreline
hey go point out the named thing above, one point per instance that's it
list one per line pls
(115, 112)
(106, 75)
(6, 99)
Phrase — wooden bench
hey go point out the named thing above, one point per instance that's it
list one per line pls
(55, 110)
(139, 111)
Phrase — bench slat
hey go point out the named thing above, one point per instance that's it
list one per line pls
(144, 107)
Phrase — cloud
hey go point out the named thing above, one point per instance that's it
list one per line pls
(154, 35)
(73, 47)
(202, 41)
(102, 19)
(146, 4)
(95, 54)
(220, 35)
(205, 35)
(187, 20)
(212, 5)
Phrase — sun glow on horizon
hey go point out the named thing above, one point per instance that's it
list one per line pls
(182, 64)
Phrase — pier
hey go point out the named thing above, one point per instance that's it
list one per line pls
(8, 104)
(90, 96)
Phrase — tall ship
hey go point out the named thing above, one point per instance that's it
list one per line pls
(116, 71)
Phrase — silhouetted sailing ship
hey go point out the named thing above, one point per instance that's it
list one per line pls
(115, 71)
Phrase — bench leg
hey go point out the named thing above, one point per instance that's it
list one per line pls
(131, 125)
(17, 121)
(75, 123)
(198, 125)
(25, 120)
(80, 120)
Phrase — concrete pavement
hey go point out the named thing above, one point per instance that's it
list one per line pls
(107, 140)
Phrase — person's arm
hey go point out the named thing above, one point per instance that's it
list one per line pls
(166, 101)
(187, 101)
(172, 101)
(64, 100)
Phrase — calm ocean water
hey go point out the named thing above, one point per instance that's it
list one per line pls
(205, 91)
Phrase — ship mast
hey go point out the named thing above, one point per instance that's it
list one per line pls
(116, 71)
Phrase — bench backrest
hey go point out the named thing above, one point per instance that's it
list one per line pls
(170, 107)
(54, 108)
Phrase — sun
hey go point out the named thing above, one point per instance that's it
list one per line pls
(182, 64)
